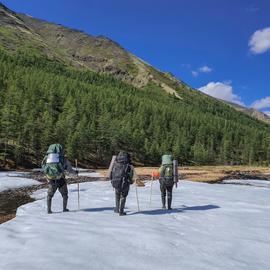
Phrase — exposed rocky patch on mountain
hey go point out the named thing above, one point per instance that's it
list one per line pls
(251, 112)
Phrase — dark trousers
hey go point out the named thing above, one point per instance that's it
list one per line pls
(120, 199)
(166, 189)
(61, 185)
(122, 193)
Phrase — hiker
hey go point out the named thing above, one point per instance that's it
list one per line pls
(54, 166)
(121, 177)
(168, 177)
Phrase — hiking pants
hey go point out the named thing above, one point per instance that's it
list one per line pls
(164, 188)
(120, 199)
(121, 193)
(61, 185)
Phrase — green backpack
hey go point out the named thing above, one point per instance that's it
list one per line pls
(167, 160)
(53, 162)
(168, 171)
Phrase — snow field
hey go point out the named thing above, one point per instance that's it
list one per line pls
(211, 227)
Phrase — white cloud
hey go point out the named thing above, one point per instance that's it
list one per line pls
(261, 103)
(186, 66)
(221, 90)
(194, 73)
(267, 112)
(205, 69)
(260, 41)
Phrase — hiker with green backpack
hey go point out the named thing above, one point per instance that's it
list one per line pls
(54, 166)
(168, 178)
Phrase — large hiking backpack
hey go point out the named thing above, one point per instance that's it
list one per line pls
(53, 162)
(168, 171)
(119, 176)
(167, 160)
(167, 174)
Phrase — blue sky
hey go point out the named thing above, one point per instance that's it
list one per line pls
(220, 47)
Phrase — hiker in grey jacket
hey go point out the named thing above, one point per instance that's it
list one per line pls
(54, 165)
(121, 177)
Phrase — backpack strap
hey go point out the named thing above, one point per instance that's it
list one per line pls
(162, 171)
(43, 163)
(125, 175)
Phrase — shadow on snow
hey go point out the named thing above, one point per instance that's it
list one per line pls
(159, 211)
(177, 210)
(98, 209)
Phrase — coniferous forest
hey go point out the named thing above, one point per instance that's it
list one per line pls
(43, 101)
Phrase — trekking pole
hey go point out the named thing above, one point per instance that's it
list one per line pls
(137, 197)
(151, 191)
(136, 190)
(175, 173)
(76, 163)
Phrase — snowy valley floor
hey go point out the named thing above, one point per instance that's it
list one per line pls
(211, 227)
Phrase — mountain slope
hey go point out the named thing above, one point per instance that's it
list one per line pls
(74, 47)
(251, 112)
(99, 54)
(56, 85)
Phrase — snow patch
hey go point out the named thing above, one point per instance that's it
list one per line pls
(249, 182)
(211, 227)
(11, 180)
(90, 174)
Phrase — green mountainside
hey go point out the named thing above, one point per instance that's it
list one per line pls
(88, 93)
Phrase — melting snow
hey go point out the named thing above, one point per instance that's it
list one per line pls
(10, 180)
(211, 227)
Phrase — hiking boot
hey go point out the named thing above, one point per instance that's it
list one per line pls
(163, 199)
(169, 203)
(65, 199)
(117, 203)
(49, 206)
(122, 206)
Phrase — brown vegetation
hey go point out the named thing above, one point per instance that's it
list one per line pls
(5, 218)
(210, 173)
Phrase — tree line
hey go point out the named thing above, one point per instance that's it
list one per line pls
(43, 101)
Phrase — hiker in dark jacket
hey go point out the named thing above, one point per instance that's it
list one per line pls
(121, 177)
(54, 165)
(168, 177)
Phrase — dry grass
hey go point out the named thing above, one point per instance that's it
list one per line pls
(205, 173)
(5, 218)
